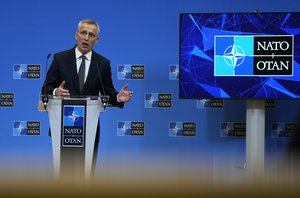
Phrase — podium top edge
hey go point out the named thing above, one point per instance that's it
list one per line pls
(74, 97)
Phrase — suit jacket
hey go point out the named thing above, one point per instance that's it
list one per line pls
(63, 68)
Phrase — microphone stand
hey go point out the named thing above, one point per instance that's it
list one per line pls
(44, 95)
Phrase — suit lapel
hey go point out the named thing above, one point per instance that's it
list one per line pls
(73, 71)
(92, 72)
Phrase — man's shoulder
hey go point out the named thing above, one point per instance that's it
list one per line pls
(100, 57)
(65, 53)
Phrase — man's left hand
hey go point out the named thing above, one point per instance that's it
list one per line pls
(124, 96)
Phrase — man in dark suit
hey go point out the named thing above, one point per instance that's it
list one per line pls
(82, 71)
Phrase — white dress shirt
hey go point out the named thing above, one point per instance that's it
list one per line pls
(88, 59)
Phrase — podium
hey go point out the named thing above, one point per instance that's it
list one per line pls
(73, 126)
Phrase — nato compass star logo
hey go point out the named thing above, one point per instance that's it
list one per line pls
(173, 72)
(73, 116)
(234, 55)
(124, 72)
(227, 129)
(278, 130)
(151, 100)
(124, 128)
(20, 128)
(20, 71)
(203, 103)
(175, 129)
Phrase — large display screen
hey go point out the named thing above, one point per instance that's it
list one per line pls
(239, 55)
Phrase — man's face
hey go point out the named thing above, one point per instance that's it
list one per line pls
(86, 37)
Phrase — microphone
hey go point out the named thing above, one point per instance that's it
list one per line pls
(104, 98)
(44, 95)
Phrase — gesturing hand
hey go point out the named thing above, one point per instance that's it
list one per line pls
(60, 91)
(125, 96)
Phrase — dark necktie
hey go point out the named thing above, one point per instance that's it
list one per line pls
(81, 73)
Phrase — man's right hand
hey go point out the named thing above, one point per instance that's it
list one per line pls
(60, 91)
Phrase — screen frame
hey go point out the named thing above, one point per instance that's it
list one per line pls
(181, 96)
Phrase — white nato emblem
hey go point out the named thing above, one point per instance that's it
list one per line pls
(124, 72)
(176, 71)
(203, 101)
(227, 129)
(176, 129)
(234, 55)
(277, 130)
(20, 128)
(20, 71)
(73, 116)
(124, 128)
(151, 100)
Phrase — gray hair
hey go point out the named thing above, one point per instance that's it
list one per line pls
(91, 22)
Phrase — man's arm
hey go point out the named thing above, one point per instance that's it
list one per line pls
(52, 78)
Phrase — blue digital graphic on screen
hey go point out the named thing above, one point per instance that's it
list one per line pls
(239, 55)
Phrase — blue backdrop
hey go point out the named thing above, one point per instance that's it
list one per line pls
(144, 32)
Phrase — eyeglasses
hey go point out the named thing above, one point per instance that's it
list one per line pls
(91, 35)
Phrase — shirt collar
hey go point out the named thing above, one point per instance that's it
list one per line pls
(78, 54)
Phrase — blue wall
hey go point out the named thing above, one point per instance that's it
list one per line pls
(132, 32)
